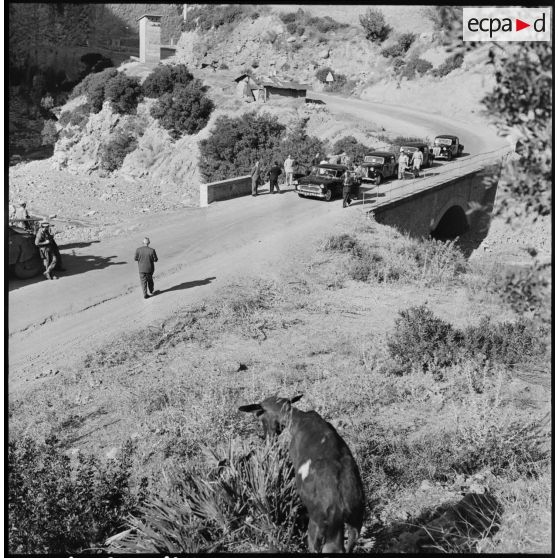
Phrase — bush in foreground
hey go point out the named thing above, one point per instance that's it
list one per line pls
(57, 507)
(240, 500)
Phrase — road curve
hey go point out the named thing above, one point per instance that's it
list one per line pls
(55, 323)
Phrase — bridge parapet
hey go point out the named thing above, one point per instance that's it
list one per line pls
(225, 189)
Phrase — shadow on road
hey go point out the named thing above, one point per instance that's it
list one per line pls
(73, 265)
(75, 245)
(188, 285)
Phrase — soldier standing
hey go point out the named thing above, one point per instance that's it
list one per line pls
(146, 258)
(45, 241)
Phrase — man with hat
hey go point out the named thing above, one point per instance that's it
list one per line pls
(45, 241)
(403, 164)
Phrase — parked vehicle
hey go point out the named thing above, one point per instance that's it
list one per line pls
(447, 147)
(24, 258)
(378, 166)
(427, 152)
(325, 181)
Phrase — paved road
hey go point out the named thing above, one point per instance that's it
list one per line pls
(57, 322)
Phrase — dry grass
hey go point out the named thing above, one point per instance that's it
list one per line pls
(175, 389)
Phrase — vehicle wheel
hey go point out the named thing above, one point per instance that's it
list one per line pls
(328, 195)
(28, 269)
(450, 156)
(378, 180)
(301, 195)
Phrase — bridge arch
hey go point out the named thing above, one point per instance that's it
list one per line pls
(451, 223)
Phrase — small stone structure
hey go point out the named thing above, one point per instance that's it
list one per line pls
(275, 87)
(150, 38)
(225, 189)
(248, 88)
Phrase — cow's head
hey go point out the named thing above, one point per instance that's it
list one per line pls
(274, 412)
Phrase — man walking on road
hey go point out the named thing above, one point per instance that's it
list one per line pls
(146, 258)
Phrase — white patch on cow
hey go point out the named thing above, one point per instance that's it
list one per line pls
(304, 469)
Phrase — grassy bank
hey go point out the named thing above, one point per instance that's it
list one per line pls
(439, 388)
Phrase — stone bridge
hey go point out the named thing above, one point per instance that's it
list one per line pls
(448, 201)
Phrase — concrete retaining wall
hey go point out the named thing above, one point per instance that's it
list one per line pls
(225, 189)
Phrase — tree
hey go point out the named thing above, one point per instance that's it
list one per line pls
(164, 78)
(521, 105)
(375, 27)
(184, 111)
(124, 92)
(236, 143)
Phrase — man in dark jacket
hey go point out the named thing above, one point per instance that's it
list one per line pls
(146, 258)
(274, 173)
(347, 183)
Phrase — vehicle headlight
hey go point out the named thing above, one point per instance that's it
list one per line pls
(322, 186)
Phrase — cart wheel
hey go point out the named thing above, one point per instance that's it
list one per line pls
(28, 269)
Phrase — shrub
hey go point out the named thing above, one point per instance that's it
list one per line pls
(77, 117)
(124, 93)
(415, 66)
(185, 111)
(391, 51)
(223, 66)
(57, 507)
(287, 18)
(207, 16)
(449, 64)
(93, 63)
(352, 147)
(375, 27)
(300, 30)
(255, 63)
(291, 27)
(403, 44)
(507, 342)
(422, 340)
(344, 243)
(93, 87)
(235, 143)
(164, 78)
(114, 150)
(242, 499)
(49, 133)
(326, 24)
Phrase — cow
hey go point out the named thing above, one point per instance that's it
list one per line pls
(327, 477)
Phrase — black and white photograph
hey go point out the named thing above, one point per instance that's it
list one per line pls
(359, 360)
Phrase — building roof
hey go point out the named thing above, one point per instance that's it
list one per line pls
(446, 136)
(283, 84)
(242, 76)
(151, 16)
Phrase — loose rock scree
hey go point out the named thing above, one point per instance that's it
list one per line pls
(327, 477)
